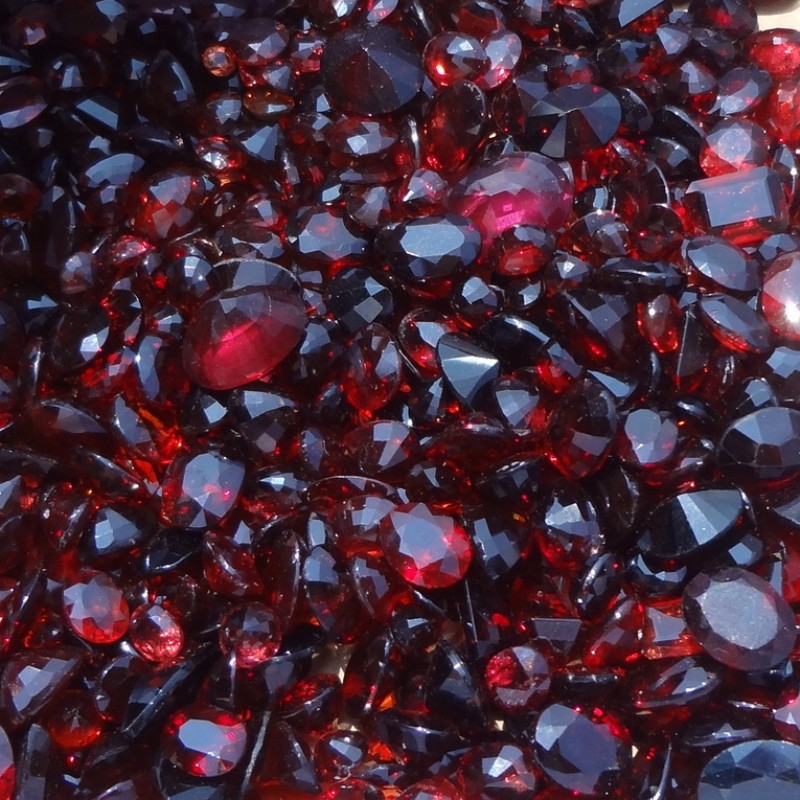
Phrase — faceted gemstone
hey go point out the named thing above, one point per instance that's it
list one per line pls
(453, 127)
(573, 119)
(96, 608)
(357, 299)
(451, 689)
(752, 769)
(744, 206)
(389, 63)
(331, 595)
(649, 438)
(468, 369)
(155, 633)
(734, 145)
(241, 335)
(497, 771)
(762, 446)
(429, 248)
(321, 236)
(516, 189)
(680, 526)
(32, 680)
(570, 530)
(518, 679)
(74, 724)
(21, 101)
(373, 368)
(739, 619)
(582, 429)
(583, 755)
(428, 549)
(452, 57)
(504, 50)
(252, 633)
(723, 263)
(776, 50)
(431, 789)
(780, 297)
(167, 207)
(204, 741)
(339, 753)
(786, 717)
(735, 324)
(200, 490)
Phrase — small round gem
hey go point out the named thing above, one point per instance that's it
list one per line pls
(586, 756)
(96, 608)
(518, 679)
(252, 633)
(739, 619)
(761, 768)
(204, 741)
(241, 335)
(780, 298)
(155, 633)
(73, 722)
(428, 549)
(388, 66)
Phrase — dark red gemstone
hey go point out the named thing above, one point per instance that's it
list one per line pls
(241, 335)
(429, 550)
(96, 608)
(739, 619)
(781, 295)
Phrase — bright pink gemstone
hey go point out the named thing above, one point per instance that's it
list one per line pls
(241, 335)
(781, 296)
(518, 189)
(95, 608)
(429, 550)
(204, 741)
(155, 633)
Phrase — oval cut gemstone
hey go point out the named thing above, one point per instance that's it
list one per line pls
(739, 619)
(584, 756)
(429, 550)
(761, 768)
(241, 335)
(96, 608)
(517, 189)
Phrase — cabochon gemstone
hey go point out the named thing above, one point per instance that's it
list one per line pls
(241, 335)
(739, 619)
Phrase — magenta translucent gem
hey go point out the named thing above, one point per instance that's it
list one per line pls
(241, 335)
(518, 189)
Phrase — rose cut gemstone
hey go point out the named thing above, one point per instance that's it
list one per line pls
(204, 741)
(241, 335)
(96, 608)
(739, 619)
(428, 549)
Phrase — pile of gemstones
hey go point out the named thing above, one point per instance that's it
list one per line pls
(399, 400)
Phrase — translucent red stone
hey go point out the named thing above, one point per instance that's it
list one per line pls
(96, 608)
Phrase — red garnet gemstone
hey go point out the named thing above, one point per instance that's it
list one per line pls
(74, 722)
(777, 51)
(786, 716)
(518, 679)
(204, 741)
(780, 297)
(518, 189)
(252, 632)
(241, 335)
(200, 490)
(155, 633)
(431, 789)
(168, 206)
(428, 549)
(96, 608)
